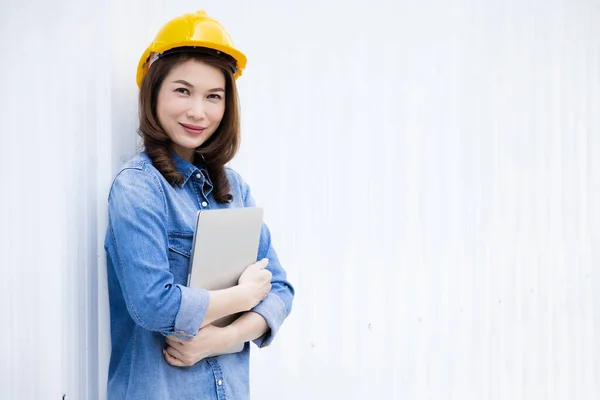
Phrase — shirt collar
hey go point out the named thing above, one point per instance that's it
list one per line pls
(187, 169)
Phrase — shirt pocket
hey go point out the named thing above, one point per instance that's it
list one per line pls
(180, 250)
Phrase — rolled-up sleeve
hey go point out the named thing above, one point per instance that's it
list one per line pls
(274, 312)
(277, 306)
(138, 251)
(192, 309)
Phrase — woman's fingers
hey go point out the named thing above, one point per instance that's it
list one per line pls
(174, 357)
(172, 360)
(173, 342)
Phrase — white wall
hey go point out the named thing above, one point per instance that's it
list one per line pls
(54, 117)
(429, 171)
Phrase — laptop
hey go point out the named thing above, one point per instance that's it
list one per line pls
(225, 242)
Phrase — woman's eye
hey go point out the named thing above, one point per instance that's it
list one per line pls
(214, 96)
(182, 90)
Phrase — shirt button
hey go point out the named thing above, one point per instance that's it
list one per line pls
(198, 175)
(204, 204)
(219, 382)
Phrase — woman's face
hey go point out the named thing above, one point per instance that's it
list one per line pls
(190, 105)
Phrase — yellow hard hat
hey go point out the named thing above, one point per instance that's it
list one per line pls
(191, 30)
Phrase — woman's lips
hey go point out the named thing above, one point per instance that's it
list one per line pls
(193, 129)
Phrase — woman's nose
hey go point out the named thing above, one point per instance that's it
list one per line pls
(196, 110)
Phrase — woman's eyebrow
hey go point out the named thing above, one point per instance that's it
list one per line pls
(185, 83)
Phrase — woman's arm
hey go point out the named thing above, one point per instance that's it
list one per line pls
(137, 249)
(253, 287)
(212, 340)
(250, 326)
(225, 302)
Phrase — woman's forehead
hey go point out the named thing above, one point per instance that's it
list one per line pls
(197, 73)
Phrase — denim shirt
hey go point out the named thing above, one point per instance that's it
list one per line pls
(148, 243)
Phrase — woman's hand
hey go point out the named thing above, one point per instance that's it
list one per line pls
(209, 340)
(256, 282)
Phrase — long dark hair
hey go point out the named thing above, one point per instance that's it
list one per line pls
(219, 149)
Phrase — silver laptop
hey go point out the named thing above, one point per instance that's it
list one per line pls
(225, 243)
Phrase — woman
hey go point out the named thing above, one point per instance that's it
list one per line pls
(161, 332)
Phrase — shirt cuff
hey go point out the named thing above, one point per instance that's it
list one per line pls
(192, 310)
(273, 311)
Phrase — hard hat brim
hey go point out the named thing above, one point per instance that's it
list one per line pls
(143, 64)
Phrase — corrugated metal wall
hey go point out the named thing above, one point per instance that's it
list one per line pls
(429, 171)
